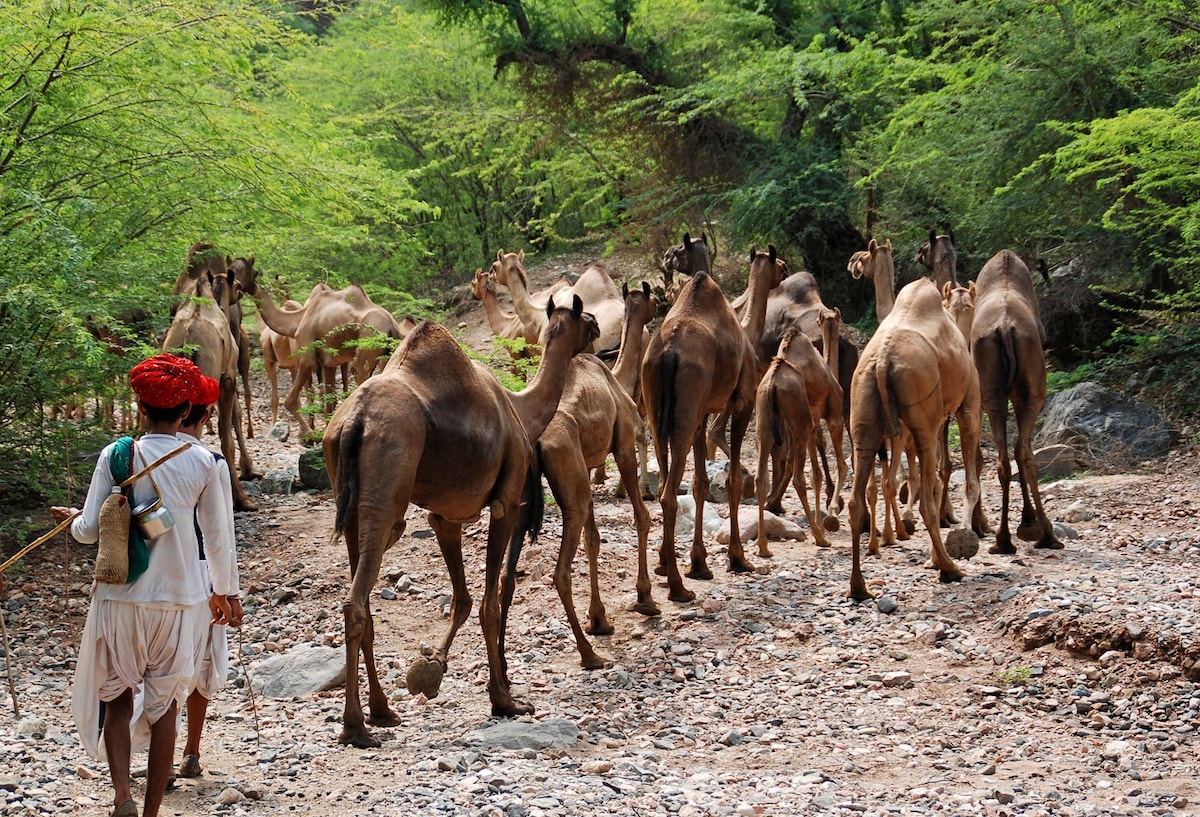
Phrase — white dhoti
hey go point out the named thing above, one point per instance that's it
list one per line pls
(212, 657)
(124, 645)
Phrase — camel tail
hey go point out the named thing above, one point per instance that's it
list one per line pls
(776, 418)
(891, 421)
(533, 507)
(347, 473)
(1008, 343)
(666, 403)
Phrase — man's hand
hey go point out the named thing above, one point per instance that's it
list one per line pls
(58, 513)
(222, 612)
(235, 605)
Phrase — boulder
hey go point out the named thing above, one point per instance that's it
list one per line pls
(552, 733)
(1104, 422)
(313, 475)
(278, 481)
(304, 670)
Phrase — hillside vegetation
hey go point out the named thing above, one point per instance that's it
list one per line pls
(401, 144)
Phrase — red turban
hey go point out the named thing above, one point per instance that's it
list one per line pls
(208, 393)
(165, 381)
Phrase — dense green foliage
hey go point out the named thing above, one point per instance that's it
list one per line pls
(400, 144)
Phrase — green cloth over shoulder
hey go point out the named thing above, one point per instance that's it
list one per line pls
(120, 464)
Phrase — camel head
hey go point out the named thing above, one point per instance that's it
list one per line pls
(686, 258)
(556, 323)
(937, 254)
(508, 267)
(780, 267)
(245, 273)
(959, 302)
(482, 284)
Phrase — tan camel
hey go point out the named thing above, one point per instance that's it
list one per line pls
(915, 372)
(504, 324)
(437, 430)
(595, 287)
(278, 352)
(937, 254)
(699, 363)
(595, 417)
(1007, 339)
(796, 392)
(640, 308)
(959, 302)
(204, 259)
(200, 331)
(336, 321)
(875, 263)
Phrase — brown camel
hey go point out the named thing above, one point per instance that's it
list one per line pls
(437, 430)
(875, 263)
(700, 363)
(640, 308)
(959, 302)
(336, 321)
(1007, 339)
(915, 372)
(937, 254)
(200, 330)
(595, 417)
(278, 352)
(797, 391)
(595, 287)
(205, 259)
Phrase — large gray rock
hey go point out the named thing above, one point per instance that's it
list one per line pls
(1107, 423)
(312, 469)
(301, 671)
(553, 733)
(279, 481)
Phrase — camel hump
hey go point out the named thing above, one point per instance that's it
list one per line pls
(431, 348)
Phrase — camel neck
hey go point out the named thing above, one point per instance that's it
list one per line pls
(537, 402)
(285, 322)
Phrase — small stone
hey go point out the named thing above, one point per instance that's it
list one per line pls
(597, 766)
(229, 796)
(32, 726)
(886, 605)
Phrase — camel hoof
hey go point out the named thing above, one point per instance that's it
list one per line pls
(512, 709)
(832, 524)
(739, 566)
(661, 570)
(594, 661)
(386, 717)
(910, 527)
(765, 552)
(859, 594)
(1029, 533)
(359, 738)
(948, 576)
(245, 506)
(701, 572)
(602, 627)
(647, 608)
(682, 596)
(1003, 550)
(424, 677)
(824, 543)
(1049, 544)
(962, 543)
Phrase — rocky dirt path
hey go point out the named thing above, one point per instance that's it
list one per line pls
(1053, 683)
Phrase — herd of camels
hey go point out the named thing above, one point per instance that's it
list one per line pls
(435, 429)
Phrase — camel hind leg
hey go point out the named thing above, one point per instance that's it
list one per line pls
(1035, 524)
(999, 422)
(630, 469)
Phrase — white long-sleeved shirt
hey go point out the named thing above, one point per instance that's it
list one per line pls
(227, 494)
(175, 575)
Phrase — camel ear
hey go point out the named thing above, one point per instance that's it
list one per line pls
(889, 245)
(872, 246)
(520, 256)
(932, 238)
(946, 287)
(771, 253)
(950, 234)
(250, 260)
(838, 311)
(972, 289)
(577, 305)
(646, 288)
(550, 306)
(687, 239)
(753, 252)
(499, 255)
(624, 289)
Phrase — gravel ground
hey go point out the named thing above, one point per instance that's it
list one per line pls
(1052, 683)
